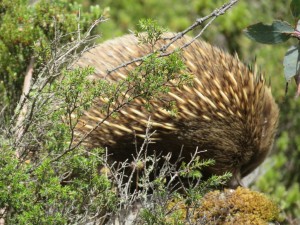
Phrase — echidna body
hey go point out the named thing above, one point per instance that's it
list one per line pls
(228, 113)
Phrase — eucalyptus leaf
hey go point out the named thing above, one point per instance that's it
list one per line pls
(278, 32)
(291, 62)
(295, 9)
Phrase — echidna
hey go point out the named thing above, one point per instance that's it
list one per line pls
(228, 113)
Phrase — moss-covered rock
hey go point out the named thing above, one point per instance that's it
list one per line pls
(240, 206)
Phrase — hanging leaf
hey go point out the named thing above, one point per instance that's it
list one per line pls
(278, 32)
(291, 62)
(295, 9)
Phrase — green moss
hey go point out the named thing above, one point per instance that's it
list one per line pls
(240, 206)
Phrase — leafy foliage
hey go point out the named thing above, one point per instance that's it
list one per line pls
(291, 62)
(152, 29)
(26, 31)
(44, 196)
(278, 32)
(50, 183)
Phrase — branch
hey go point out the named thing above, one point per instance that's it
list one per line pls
(25, 92)
(26, 107)
(216, 13)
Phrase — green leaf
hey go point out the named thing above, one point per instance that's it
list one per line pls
(291, 62)
(295, 9)
(278, 32)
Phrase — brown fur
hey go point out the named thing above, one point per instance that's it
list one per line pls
(229, 113)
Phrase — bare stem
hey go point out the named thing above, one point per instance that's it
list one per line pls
(216, 13)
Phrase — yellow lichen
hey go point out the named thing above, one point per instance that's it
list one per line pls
(240, 206)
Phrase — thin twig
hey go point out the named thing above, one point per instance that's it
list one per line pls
(216, 13)
(26, 108)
